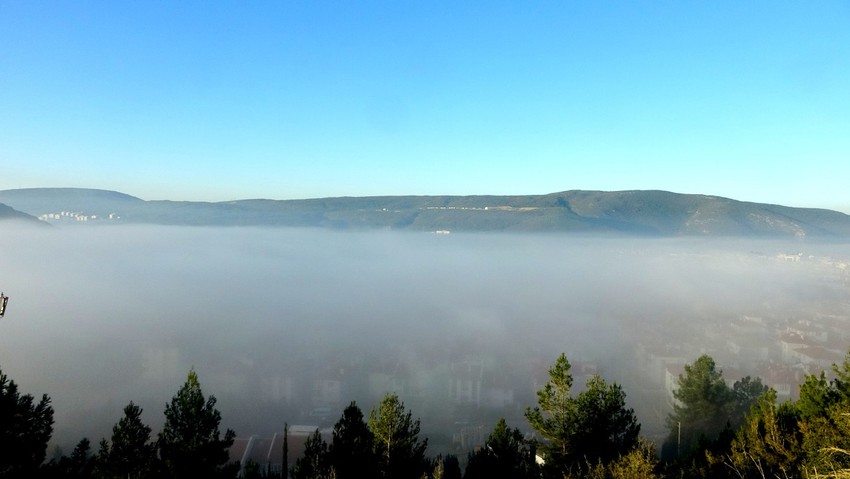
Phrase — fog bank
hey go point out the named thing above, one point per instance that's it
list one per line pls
(99, 316)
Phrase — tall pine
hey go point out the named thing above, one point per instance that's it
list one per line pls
(191, 444)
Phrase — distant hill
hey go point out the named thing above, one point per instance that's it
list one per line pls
(8, 213)
(38, 201)
(645, 213)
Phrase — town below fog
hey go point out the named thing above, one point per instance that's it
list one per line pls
(291, 325)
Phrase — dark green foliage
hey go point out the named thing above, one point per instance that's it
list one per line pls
(352, 448)
(745, 393)
(703, 408)
(25, 429)
(314, 463)
(591, 429)
(554, 415)
(591, 436)
(768, 443)
(816, 396)
(401, 455)
(190, 444)
(826, 440)
(130, 454)
(505, 455)
(604, 427)
(806, 438)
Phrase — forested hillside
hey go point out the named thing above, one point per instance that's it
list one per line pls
(644, 213)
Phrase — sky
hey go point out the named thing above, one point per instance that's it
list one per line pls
(215, 101)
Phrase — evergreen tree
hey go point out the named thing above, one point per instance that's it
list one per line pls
(352, 448)
(702, 410)
(25, 429)
(505, 454)
(816, 396)
(826, 441)
(604, 427)
(190, 444)
(131, 453)
(314, 463)
(400, 453)
(745, 393)
(79, 465)
(768, 444)
(583, 433)
(554, 416)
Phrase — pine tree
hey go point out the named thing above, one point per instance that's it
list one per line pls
(768, 444)
(702, 410)
(25, 429)
(190, 444)
(131, 454)
(314, 463)
(505, 455)
(554, 416)
(352, 447)
(401, 454)
(604, 427)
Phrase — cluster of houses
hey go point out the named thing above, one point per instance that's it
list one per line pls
(68, 216)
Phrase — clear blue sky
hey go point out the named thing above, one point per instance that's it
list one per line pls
(224, 100)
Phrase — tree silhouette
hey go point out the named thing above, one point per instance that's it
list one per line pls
(25, 429)
(314, 463)
(703, 404)
(505, 455)
(190, 444)
(352, 447)
(401, 454)
(554, 416)
(131, 454)
(604, 427)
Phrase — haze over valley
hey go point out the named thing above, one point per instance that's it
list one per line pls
(621, 228)
(290, 324)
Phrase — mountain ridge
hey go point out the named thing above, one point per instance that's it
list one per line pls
(628, 212)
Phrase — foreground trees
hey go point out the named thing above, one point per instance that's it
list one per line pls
(553, 416)
(505, 455)
(191, 444)
(396, 440)
(589, 435)
(768, 444)
(706, 407)
(25, 429)
(809, 437)
(593, 428)
(701, 410)
(352, 450)
(387, 446)
(130, 453)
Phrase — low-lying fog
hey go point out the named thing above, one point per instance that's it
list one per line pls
(280, 323)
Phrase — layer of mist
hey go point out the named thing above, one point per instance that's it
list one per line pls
(281, 323)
